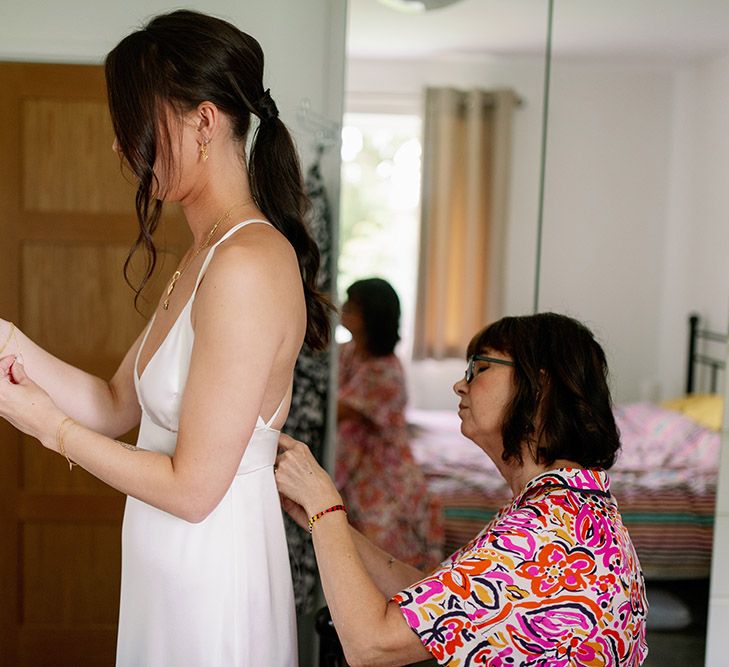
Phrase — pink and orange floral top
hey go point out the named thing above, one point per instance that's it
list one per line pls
(383, 487)
(553, 580)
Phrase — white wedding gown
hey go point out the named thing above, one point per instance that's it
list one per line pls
(217, 593)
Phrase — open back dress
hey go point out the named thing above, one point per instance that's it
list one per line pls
(216, 593)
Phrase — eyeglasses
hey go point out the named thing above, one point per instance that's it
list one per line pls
(470, 369)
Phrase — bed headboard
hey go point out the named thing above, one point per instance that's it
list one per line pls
(697, 358)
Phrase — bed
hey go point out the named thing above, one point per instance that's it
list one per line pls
(664, 480)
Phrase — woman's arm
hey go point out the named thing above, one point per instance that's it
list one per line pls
(250, 319)
(389, 574)
(372, 630)
(109, 407)
(346, 412)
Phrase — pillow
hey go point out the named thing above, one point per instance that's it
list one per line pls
(704, 409)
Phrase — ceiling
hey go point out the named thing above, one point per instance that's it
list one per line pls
(664, 30)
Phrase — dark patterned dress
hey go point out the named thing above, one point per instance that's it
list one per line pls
(553, 580)
(307, 418)
(384, 488)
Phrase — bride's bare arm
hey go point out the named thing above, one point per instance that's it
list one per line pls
(107, 406)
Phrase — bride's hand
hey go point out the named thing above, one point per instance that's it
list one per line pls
(25, 405)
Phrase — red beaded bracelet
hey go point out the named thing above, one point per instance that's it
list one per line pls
(333, 508)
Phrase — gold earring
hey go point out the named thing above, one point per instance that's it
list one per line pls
(204, 150)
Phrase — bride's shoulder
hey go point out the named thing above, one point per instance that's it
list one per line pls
(253, 268)
(258, 243)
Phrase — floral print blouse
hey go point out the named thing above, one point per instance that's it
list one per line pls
(553, 580)
(383, 487)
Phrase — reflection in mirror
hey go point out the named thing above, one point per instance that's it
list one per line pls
(392, 59)
(635, 240)
(440, 185)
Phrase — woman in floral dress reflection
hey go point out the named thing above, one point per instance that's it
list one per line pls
(383, 487)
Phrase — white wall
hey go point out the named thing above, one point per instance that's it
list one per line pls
(609, 131)
(637, 211)
(606, 206)
(695, 275)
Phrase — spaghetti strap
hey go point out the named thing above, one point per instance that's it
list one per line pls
(224, 237)
(203, 268)
(269, 423)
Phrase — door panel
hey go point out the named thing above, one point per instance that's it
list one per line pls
(67, 166)
(66, 223)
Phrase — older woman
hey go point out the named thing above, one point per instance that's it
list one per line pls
(553, 579)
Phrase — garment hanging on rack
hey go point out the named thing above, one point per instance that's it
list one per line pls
(320, 219)
(307, 418)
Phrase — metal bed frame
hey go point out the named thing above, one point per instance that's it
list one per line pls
(697, 358)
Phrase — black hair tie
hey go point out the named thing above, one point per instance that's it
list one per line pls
(267, 109)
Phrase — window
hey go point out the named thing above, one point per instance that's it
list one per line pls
(380, 208)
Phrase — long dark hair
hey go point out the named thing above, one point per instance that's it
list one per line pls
(379, 305)
(177, 61)
(561, 405)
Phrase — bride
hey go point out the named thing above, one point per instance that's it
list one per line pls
(205, 573)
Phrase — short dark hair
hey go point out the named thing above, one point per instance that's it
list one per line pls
(380, 308)
(176, 61)
(561, 405)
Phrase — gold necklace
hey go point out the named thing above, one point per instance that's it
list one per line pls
(178, 274)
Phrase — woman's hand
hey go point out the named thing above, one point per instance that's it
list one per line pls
(25, 405)
(304, 484)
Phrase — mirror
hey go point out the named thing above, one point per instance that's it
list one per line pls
(392, 58)
(634, 236)
(635, 220)
(397, 64)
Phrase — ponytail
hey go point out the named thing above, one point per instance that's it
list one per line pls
(277, 187)
(183, 58)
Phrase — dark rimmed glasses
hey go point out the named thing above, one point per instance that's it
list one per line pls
(470, 372)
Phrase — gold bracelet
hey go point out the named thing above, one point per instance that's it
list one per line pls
(9, 337)
(59, 440)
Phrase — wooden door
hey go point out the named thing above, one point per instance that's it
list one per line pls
(66, 223)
